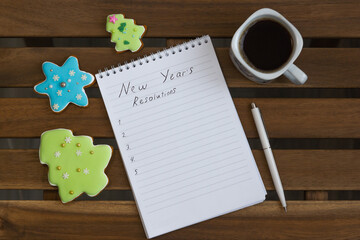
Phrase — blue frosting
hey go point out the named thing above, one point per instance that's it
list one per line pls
(65, 84)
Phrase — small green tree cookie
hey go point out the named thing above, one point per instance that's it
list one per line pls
(125, 33)
(75, 164)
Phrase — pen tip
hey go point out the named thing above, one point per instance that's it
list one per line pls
(285, 209)
(253, 105)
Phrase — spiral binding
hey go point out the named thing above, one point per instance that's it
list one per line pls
(154, 56)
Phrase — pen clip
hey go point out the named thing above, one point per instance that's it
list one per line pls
(253, 106)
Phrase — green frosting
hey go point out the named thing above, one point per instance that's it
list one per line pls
(124, 32)
(122, 26)
(75, 164)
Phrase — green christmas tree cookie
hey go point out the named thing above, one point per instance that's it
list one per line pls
(125, 33)
(75, 164)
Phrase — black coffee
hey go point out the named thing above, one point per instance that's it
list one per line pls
(267, 45)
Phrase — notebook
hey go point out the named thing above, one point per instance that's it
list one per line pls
(183, 146)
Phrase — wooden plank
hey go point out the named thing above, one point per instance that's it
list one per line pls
(33, 175)
(284, 117)
(120, 220)
(179, 18)
(299, 170)
(326, 68)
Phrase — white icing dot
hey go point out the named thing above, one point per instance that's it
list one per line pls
(50, 86)
(69, 80)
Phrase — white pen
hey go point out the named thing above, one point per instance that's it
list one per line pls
(268, 153)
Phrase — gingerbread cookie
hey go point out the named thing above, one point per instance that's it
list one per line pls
(125, 33)
(75, 164)
(65, 84)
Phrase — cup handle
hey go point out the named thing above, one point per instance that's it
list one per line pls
(295, 75)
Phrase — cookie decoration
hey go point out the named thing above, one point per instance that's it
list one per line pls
(75, 164)
(65, 84)
(125, 33)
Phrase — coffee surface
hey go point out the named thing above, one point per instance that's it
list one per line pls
(267, 45)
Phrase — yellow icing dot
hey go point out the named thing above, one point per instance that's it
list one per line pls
(91, 152)
(78, 170)
(71, 192)
(135, 29)
(63, 144)
(78, 145)
(58, 168)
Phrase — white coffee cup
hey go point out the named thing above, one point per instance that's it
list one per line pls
(292, 72)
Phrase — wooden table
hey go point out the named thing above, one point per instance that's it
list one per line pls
(308, 132)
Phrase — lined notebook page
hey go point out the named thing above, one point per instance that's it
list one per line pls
(180, 137)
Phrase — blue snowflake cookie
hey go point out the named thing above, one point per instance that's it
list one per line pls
(65, 84)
